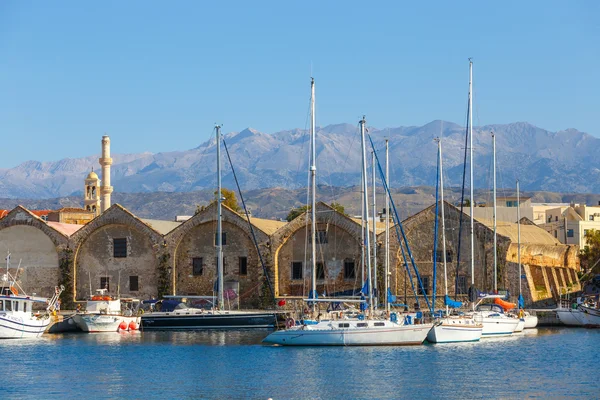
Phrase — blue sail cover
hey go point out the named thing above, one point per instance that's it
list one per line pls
(365, 289)
(451, 303)
(521, 301)
(363, 304)
(390, 297)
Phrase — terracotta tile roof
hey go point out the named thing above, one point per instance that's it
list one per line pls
(37, 213)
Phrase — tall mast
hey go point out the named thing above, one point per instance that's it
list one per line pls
(443, 222)
(313, 177)
(365, 216)
(387, 228)
(495, 234)
(519, 236)
(374, 233)
(220, 302)
(471, 173)
(362, 228)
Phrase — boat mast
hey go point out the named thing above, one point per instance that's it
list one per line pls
(313, 178)
(374, 233)
(220, 302)
(387, 229)
(362, 229)
(439, 140)
(471, 174)
(494, 214)
(519, 236)
(365, 215)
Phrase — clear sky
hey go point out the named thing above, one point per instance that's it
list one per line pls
(156, 76)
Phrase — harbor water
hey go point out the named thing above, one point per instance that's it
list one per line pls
(542, 363)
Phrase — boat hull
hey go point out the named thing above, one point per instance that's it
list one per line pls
(449, 331)
(15, 326)
(199, 321)
(498, 326)
(401, 335)
(570, 317)
(590, 316)
(531, 321)
(520, 325)
(93, 323)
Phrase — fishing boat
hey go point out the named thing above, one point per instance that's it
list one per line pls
(105, 314)
(18, 316)
(450, 328)
(216, 317)
(364, 330)
(589, 308)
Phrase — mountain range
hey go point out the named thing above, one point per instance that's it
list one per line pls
(563, 161)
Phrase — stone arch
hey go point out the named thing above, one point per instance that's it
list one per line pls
(325, 214)
(140, 238)
(181, 236)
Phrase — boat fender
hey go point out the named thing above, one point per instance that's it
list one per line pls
(361, 317)
(289, 322)
(393, 317)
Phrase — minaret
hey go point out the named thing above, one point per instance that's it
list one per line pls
(105, 162)
(91, 196)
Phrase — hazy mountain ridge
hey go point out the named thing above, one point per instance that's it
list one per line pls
(563, 161)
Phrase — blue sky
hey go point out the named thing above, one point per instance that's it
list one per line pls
(156, 76)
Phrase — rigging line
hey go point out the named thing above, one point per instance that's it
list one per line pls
(399, 225)
(462, 203)
(249, 223)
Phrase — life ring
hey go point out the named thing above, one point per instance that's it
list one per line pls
(290, 322)
(14, 290)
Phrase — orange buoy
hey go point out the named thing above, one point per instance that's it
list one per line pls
(123, 326)
(14, 290)
(132, 326)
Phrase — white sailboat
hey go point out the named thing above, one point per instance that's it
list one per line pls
(361, 331)
(184, 317)
(495, 321)
(451, 328)
(18, 319)
(105, 314)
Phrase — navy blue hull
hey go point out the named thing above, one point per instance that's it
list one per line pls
(162, 321)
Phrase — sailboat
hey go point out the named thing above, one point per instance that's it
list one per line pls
(450, 328)
(184, 317)
(495, 321)
(366, 330)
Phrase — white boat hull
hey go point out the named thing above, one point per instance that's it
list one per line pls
(520, 325)
(452, 330)
(104, 322)
(590, 316)
(531, 321)
(570, 317)
(18, 325)
(498, 326)
(389, 335)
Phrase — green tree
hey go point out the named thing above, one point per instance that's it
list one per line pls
(294, 212)
(338, 207)
(230, 199)
(589, 256)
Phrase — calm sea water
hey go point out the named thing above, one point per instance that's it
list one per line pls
(543, 363)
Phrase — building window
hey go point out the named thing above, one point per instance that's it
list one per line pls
(591, 217)
(425, 289)
(243, 262)
(297, 270)
(223, 239)
(556, 234)
(585, 232)
(461, 285)
(322, 237)
(550, 219)
(134, 284)
(104, 283)
(439, 256)
(569, 232)
(511, 203)
(320, 271)
(556, 218)
(197, 266)
(349, 269)
(119, 247)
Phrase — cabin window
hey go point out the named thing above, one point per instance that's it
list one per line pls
(362, 324)
(461, 285)
(349, 269)
(569, 232)
(119, 247)
(379, 324)
(297, 270)
(15, 305)
(322, 237)
(223, 239)
(8, 305)
(344, 325)
(243, 263)
(424, 290)
(134, 284)
(105, 283)
(197, 266)
(1, 305)
(320, 270)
